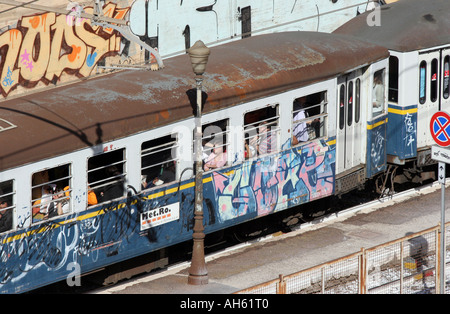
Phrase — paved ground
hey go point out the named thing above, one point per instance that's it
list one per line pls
(309, 246)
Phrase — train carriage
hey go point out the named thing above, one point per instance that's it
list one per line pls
(101, 171)
(416, 34)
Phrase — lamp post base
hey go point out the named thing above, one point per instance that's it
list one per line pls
(198, 274)
(198, 280)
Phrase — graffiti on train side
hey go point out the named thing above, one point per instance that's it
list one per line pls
(275, 182)
(410, 135)
(44, 46)
(93, 238)
(53, 245)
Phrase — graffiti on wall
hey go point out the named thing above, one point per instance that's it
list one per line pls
(230, 20)
(44, 46)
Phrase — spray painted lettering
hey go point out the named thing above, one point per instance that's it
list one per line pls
(44, 46)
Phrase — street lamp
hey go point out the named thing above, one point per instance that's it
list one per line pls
(198, 274)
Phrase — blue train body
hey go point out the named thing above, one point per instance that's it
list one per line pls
(62, 249)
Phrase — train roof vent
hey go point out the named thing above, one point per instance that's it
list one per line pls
(6, 125)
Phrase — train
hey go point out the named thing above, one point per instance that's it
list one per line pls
(101, 171)
(416, 34)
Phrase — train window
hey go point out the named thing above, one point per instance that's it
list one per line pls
(378, 93)
(446, 82)
(393, 79)
(434, 80)
(158, 161)
(51, 193)
(342, 106)
(215, 145)
(309, 114)
(106, 176)
(422, 82)
(7, 205)
(261, 131)
(357, 100)
(350, 103)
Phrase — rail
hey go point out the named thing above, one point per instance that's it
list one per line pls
(409, 265)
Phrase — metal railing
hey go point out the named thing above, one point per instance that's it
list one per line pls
(409, 265)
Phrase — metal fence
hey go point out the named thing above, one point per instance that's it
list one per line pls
(409, 265)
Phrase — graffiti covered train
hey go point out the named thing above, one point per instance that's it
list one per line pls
(101, 171)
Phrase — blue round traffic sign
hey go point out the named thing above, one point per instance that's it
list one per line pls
(440, 128)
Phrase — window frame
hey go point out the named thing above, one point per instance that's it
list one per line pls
(209, 141)
(311, 118)
(382, 73)
(446, 79)
(98, 185)
(434, 80)
(252, 141)
(423, 82)
(10, 198)
(171, 145)
(357, 100)
(55, 189)
(393, 79)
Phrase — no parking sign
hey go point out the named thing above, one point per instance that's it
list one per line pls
(440, 128)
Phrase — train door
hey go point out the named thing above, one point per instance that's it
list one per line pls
(445, 75)
(349, 123)
(429, 95)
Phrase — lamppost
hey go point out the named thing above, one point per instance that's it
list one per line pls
(198, 274)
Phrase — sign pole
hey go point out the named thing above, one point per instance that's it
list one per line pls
(441, 175)
(440, 132)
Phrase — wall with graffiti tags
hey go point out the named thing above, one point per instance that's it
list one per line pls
(41, 49)
(44, 46)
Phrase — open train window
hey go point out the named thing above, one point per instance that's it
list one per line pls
(158, 161)
(422, 82)
(261, 129)
(7, 205)
(393, 79)
(215, 145)
(446, 82)
(434, 80)
(106, 176)
(51, 193)
(309, 114)
(378, 93)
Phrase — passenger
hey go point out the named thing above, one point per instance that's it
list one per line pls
(92, 197)
(300, 131)
(217, 159)
(59, 205)
(267, 141)
(115, 189)
(207, 150)
(47, 196)
(167, 175)
(377, 95)
(5, 216)
(40, 206)
(250, 150)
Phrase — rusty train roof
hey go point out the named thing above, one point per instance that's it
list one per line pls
(93, 111)
(406, 25)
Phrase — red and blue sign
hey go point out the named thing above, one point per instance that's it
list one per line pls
(440, 128)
